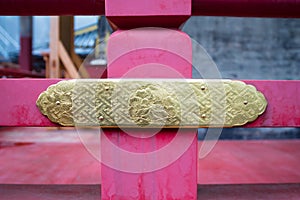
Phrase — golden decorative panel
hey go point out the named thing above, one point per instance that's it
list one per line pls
(152, 103)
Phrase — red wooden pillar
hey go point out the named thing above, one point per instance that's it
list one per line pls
(140, 163)
(25, 58)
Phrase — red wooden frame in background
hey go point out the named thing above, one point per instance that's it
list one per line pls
(240, 8)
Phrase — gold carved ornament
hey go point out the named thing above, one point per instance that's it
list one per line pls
(152, 103)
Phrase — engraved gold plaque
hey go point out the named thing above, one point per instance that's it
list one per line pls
(152, 103)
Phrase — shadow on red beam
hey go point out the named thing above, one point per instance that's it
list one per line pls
(246, 8)
(50, 192)
(19, 73)
(249, 192)
(91, 192)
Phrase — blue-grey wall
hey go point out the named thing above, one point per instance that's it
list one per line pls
(250, 48)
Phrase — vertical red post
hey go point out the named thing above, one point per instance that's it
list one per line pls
(25, 57)
(148, 53)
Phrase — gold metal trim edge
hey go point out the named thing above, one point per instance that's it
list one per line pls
(191, 103)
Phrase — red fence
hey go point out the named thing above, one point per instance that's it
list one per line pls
(241, 8)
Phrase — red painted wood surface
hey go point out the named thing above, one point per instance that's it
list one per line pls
(19, 96)
(18, 107)
(283, 103)
(144, 8)
(50, 7)
(50, 192)
(207, 192)
(154, 13)
(241, 8)
(50, 156)
(177, 179)
(247, 8)
(245, 192)
(250, 162)
(91, 192)
(47, 156)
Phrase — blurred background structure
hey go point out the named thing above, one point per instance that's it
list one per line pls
(243, 48)
(90, 35)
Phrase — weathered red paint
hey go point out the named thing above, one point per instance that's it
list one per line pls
(146, 57)
(41, 156)
(207, 192)
(50, 192)
(18, 107)
(250, 162)
(239, 8)
(283, 103)
(245, 192)
(146, 8)
(154, 13)
(19, 96)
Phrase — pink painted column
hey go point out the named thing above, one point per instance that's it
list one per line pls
(124, 177)
(147, 163)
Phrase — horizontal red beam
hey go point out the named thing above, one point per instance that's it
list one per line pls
(17, 102)
(93, 192)
(20, 73)
(18, 108)
(50, 192)
(247, 8)
(52, 7)
(241, 8)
